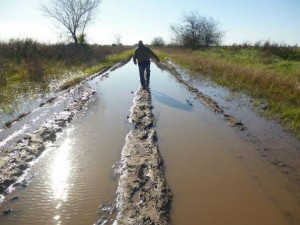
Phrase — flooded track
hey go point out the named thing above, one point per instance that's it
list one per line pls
(74, 175)
(215, 177)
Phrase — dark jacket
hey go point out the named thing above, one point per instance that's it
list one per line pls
(143, 54)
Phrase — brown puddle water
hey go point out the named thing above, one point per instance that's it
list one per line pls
(74, 176)
(214, 176)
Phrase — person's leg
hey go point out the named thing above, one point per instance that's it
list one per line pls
(148, 74)
(142, 77)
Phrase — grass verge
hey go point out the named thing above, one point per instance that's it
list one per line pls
(260, 72)
(86, 71)
(109, 61)
(29, 69)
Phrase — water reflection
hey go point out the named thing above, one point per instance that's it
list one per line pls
(61, 169)
(167, 100)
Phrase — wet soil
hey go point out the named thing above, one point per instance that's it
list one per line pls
(143, 196)
(16, 159)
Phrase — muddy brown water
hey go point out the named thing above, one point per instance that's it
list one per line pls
(215, 177)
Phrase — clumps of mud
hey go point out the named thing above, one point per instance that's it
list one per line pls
(206, 100)
(143, 196)
(8, 124)
(16, 159)
(107, 213)
(21, 116)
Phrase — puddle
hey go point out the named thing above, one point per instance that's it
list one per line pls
(74, 176)
(215, 177)
(266, 136)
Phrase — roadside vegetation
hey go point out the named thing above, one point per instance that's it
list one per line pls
(29, 68)
(267, 72)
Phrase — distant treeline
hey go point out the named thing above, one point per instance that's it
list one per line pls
(28, 49)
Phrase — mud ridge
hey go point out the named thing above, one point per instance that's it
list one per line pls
(206, 100)
(143, 196)
(16, 159)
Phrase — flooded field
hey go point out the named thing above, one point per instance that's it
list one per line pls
(215, 176)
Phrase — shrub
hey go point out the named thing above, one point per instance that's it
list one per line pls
(158, 42)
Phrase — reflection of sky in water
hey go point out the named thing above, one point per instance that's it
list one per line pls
(61, 169)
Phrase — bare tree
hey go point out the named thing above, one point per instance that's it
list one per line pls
(118, 39)
(158, 42)
(196, 31)
(73, 15)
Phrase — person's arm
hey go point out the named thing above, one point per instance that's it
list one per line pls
(134, 57)
(153, 55)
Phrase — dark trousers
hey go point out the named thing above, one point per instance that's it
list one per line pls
(142, 67)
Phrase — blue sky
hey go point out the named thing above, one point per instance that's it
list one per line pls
(242, 21)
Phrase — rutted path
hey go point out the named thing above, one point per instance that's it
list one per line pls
(215, 177)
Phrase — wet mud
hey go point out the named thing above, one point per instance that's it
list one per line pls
(9, 123)
(143, 196)
(16, 159)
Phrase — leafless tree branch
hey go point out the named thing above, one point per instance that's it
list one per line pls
(196, 31)
(73, 15)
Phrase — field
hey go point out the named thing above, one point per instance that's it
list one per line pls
(266, 72)
(29, 68)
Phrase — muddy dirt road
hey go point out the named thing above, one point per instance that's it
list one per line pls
(179, 155)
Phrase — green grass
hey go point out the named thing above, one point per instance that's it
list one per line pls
(109, 61)
(87, 70)
(271, 74)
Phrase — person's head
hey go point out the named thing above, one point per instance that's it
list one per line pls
(141, 43)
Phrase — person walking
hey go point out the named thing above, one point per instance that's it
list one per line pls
(142, 56)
